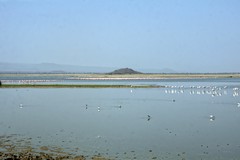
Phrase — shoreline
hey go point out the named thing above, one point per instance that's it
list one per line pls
(33, 80)
(147, 78)
(100, 76)
(30, 154)
(76, 86)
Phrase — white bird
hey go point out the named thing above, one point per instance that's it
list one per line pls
(20, 105)
(211, 117)
(238, 104)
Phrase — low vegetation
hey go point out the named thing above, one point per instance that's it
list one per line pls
(75, 86)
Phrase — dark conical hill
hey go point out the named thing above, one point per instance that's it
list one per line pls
(125, 71)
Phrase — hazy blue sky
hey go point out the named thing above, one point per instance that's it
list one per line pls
(184, 35)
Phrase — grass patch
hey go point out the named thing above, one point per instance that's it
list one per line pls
(75, 86)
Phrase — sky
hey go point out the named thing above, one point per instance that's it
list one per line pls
(183, 35)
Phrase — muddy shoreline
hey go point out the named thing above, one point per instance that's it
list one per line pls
(16, 147)
(44, 156)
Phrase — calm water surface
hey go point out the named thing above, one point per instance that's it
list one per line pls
(187, 120)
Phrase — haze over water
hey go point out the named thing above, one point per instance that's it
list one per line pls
(188, 120)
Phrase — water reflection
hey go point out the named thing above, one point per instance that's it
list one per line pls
(148, 117)
(116, 123)
(211, 117)
(98, 109)
(20, 105)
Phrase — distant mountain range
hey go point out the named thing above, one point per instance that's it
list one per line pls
(60, 68)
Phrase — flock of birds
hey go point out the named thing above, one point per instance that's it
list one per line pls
(201, 90)
(28, 81)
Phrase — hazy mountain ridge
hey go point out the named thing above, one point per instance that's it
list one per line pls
(52, 68)
(61, 68)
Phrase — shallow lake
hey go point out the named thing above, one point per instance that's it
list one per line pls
(189, 119)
